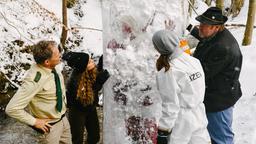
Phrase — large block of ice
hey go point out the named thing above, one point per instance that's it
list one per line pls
(132, 105)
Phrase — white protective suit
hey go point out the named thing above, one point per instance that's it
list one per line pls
(182, 90)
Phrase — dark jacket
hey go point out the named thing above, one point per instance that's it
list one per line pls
(72, 85)
(221, 59)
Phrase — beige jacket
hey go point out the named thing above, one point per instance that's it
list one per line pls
(38, 92)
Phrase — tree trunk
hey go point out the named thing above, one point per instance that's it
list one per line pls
(65, 22)
(208, 2)
(191, 7)
(220, 4)
(250, 23)
(236, 6)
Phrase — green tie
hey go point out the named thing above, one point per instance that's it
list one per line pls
(58, 90)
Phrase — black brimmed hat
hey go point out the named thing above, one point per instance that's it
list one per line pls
(212, 16)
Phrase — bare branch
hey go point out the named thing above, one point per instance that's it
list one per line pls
(11, 82)
(239, 25)
(12, 25)
(80, 27)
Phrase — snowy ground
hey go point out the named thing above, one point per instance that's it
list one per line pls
(245, 110)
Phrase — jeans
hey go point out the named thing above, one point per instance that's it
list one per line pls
(220, 126)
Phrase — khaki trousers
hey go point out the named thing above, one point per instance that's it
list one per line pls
(59, 134)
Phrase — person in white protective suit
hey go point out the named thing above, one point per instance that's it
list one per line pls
(181, 84)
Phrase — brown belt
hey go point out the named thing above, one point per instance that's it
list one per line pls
(53, 123)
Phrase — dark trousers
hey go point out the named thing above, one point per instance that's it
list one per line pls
(87, 118)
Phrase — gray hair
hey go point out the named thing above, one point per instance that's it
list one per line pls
(42, 51)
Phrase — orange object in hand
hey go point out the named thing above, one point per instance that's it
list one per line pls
(184, 46)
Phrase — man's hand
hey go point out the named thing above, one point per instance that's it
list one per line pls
(42, 124)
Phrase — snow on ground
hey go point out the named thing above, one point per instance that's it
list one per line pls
(245, 109)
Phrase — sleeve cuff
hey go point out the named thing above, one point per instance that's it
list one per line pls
(31, 122)
(164, 129)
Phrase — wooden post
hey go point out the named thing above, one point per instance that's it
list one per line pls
(250, 23)
(65, 22)
(220, 4)
(190, 7)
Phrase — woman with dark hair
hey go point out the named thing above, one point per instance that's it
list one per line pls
(180, 81)
(82, 96)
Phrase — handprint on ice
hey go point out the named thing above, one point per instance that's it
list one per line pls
(120, 89)
(145, 100)
(169, 24)
(113, 44)
(128, 31)
(126, 28)
(119, 96)
(141, 130)
(134, 127)
(148, 88)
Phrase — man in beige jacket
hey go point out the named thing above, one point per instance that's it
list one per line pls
(43, 91)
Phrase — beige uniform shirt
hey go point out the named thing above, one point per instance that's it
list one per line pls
(38, 92)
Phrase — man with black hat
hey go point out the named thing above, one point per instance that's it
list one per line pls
(221, 58)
